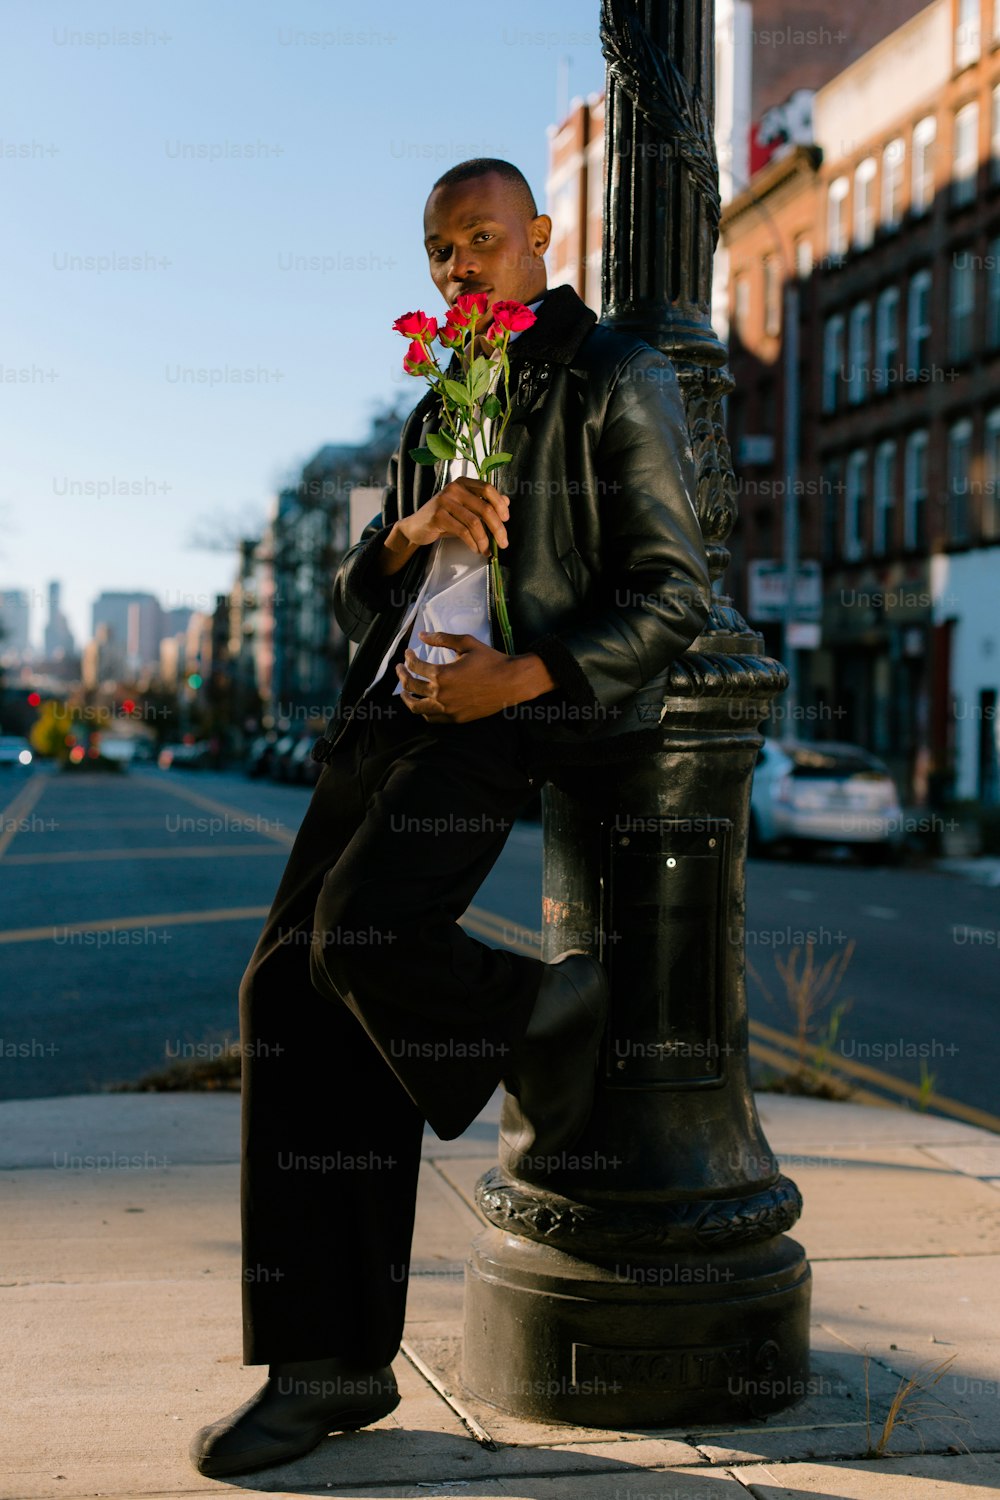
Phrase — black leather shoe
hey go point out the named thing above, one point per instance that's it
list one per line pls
(551, 1080)
(293, 1411)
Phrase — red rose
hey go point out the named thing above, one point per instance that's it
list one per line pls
(416, 325)
(468, 303)
(513, 316)
(415, 360)
(452, 335)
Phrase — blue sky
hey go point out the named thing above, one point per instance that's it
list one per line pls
(196, 379)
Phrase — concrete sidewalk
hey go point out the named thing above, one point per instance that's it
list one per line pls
(121, 1314)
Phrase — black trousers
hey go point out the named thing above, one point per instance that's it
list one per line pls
(365, 1010)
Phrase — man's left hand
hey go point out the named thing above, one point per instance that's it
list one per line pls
(482, 681)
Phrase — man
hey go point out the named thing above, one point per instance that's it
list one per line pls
(366, 1010)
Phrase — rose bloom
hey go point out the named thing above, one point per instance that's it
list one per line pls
(464, 306)
(416, 360)
(416, 325)
(452, 333)
(513, 316)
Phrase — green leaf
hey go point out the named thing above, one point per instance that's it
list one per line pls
(458, 392)
(495, 460)
(441, 445)
(483, 371)
(492, 407)
(422, 456)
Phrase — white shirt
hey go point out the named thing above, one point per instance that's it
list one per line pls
(453, 596)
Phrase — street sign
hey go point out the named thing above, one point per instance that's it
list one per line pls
(768, 591)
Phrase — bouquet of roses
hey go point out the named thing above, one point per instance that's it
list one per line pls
(467, 401)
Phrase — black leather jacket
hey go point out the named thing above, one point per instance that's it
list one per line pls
(605, 571)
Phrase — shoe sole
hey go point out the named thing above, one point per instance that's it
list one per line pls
(266, 1458)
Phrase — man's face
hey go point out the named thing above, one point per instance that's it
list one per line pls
(499, 254)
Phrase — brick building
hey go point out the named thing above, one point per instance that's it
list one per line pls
(886, 235)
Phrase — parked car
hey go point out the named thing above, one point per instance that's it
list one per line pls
(125, 748)
(807, 794)
(15, 752)
(184, 757)
(283, 748)
(301, 767)
(260, 755)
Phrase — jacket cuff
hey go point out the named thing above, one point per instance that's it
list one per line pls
(572, 691)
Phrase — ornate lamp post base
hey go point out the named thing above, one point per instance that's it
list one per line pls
(558, 1339)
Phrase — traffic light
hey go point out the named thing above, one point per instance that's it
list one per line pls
(35, 699)
(195, 680)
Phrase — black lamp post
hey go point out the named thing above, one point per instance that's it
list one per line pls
(648, 1279)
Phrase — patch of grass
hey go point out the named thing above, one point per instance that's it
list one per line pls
(214, 1066)
(905, 1409)
(810, 987)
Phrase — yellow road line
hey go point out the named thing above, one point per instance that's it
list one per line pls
(884, 1080)
(776, 1059)
(18, 808)
(84, 856)
(211, 804)
(121, 924)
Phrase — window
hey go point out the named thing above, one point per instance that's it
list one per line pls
(860, 353)
(959, 458)
(961, 305)
(772, 296)
(893, 173)
(886, 337)
(995, 134)
(966, 33)
(833, 359)
(965, 153)
(741, 305)
(991, 490)
(996, 20)
(836, 220)
(833, 488)
(855, 504)
(803, 257)
(918, 324)
(922, 180)
(864, 203)
(884, 493)
(915, 490)
(993, 294)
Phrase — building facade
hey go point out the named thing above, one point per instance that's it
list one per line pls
(883, 241)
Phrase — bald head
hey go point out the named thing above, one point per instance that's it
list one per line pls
(482, 233)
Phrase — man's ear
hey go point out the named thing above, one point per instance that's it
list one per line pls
(541, 233)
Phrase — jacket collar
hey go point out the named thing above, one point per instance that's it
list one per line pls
(561, 324)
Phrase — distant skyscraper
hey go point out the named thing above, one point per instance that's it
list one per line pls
(15, 623)
(135, 622)
(58, 641)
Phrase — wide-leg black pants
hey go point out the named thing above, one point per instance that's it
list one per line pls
(365, 1010)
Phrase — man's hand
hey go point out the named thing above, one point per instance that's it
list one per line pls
(481, 682)
(466, 508)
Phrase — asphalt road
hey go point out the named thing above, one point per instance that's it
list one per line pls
(130, 905)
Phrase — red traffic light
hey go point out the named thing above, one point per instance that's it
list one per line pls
(128, 705)
(34, 699)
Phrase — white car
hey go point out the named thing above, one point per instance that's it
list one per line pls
(14, 751)
(807, 792)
